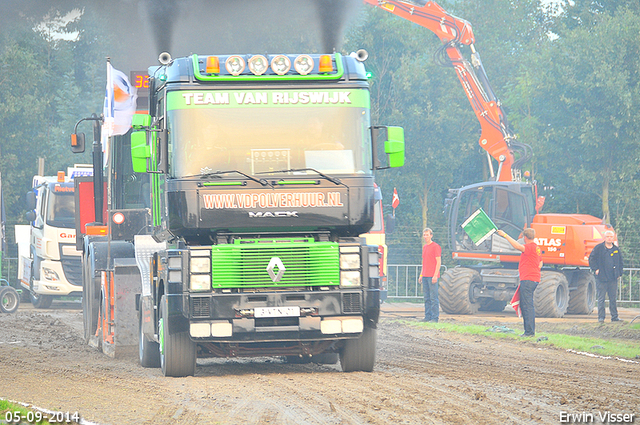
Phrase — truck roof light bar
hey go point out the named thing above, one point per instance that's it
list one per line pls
(268, 67)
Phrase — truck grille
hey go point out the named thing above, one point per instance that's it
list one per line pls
(351, 303)
(200, 306)
(71, 264)
(306, 262)
(72, 268)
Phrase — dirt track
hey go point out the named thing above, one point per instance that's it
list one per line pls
(422, 376)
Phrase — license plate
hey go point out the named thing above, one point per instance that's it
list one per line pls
(276, 311)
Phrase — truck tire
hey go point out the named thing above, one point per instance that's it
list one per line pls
(9, 300)
(177, 351)
(148, 351)
(582, 299)
(90, 297)
(456, 287)
(40, 301)
(359, 354)
(551, 297)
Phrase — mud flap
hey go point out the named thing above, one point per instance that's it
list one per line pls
(119, 316)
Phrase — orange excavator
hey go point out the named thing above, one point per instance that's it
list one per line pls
(512, 204)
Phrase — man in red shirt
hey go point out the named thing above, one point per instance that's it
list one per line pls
(529, 268)
(431, 261)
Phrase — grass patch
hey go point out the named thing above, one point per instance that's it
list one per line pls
(10, 411)
(604, 347)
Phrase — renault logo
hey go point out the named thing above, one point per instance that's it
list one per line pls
(276, 262)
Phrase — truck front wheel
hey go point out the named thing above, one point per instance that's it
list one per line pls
(177, 351)
(359, 354)
(41, 301)
(38, 301)
(148, 351)
(90, 300)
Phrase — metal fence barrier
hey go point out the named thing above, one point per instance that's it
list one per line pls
(402, 281)
(10, 270)
(402, 284)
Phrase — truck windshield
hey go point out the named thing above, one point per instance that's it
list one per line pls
(266, 134)
(61, 209)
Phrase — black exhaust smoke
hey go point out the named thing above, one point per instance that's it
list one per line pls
(332, 17)
(142, 29)
(162, 15)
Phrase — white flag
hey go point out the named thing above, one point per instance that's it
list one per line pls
(119, 103)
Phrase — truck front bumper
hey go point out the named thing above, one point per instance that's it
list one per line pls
(53, 281)
(278, 316)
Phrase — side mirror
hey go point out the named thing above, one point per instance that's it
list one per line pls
(393, 139)
(394, 146)
(77, 142)
(163, 149)
(389, 224)
(140, 150)
(31, 200)
(31, 216)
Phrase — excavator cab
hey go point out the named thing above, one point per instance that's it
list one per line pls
(510, 205)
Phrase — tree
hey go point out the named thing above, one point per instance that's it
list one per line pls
(47, 84)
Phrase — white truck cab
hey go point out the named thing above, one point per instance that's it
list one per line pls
(51, 265)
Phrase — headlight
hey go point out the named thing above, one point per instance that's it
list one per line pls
(50, 275)
(200, 282)
(303, 64)
(280, 64)
(258, 64)
(349, 279)
(350, 261)
(200, 265)
(234, 65)
(174, 262)
(175, 276)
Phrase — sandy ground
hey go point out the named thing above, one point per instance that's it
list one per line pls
(422, 376)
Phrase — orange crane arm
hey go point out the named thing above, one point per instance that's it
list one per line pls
(495, 137)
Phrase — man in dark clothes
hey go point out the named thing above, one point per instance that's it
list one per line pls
(529, 269)
(606, 262)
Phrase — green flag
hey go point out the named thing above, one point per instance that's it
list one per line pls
(479, 226)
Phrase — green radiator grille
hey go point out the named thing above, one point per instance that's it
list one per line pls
(306, 262)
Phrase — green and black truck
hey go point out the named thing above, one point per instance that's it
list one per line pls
(226, 222)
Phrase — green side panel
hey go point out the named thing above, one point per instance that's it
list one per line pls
(244, 263)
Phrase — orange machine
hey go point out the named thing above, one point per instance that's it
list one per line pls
(512, 204)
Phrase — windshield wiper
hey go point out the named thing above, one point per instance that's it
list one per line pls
(218, 173)
(333, 180)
